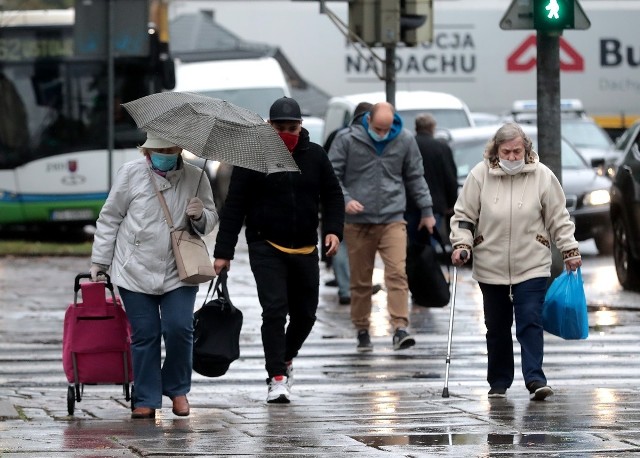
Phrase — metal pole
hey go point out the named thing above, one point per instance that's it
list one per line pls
(390, 73)
(548, 90)
(549, 132)
(110, 91)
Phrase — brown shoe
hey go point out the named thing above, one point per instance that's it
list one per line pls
(180, 406)
(143, 412)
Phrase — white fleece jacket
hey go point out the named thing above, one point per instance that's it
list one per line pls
(514, 219)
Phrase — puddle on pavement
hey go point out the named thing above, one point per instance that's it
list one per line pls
(463, 439)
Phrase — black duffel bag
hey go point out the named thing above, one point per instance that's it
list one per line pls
(427, 284)
(216, 331)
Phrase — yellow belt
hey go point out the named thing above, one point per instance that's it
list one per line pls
(302, 250)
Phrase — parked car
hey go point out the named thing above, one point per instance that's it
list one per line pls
(587, 193)
(315, 126)
(486, 119)
(591, 140)
(449, 110)
(625, 209)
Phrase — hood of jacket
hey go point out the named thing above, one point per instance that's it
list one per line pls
(394, 131)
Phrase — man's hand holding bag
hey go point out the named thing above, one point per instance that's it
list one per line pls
(216, 332)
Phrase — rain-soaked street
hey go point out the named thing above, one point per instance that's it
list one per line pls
(344, 403)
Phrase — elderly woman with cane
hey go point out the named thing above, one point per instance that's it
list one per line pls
(511, 208)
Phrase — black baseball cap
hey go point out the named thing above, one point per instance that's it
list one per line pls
(285, 109)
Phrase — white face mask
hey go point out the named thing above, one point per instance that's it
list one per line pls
(511, 167)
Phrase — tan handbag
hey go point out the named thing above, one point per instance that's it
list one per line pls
(192, 257)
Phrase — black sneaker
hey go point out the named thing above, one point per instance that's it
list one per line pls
(375, 289)
(344, 300)
(538, 391)
(364, 342)
(497, 393)
(333, 283)
(402, 340)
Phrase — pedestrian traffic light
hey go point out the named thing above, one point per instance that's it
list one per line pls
(553, 15)
(374, 22)
(416, 21)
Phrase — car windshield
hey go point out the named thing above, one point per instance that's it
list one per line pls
(468, 153)
(585, 134)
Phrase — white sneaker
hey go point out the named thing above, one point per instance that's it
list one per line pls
(290, 374)
(278, 390)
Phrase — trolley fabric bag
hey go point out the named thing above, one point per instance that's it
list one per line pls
(96, 345)
(564, 312)
(216, 332)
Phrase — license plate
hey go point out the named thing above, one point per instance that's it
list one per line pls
(71, 215)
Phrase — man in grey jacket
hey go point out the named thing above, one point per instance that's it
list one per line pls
(377, 163)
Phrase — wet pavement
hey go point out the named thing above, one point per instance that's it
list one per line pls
(343, 403)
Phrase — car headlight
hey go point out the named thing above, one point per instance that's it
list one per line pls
(598, 197)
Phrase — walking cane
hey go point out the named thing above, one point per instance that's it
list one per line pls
(445, 390)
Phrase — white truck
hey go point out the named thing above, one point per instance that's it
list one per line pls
(249, 83)
(470, 56)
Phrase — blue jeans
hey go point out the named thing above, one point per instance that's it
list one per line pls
(153, 317)
(528, 297)
(340, 263)
(287, 284)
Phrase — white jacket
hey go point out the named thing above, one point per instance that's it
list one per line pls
(132, 235)
(515, 219)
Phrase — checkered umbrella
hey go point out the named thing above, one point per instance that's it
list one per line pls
(213, 129)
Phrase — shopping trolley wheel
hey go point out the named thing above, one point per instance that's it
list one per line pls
(71, 399)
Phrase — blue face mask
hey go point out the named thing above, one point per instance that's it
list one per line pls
(162, 161)
(376, 137)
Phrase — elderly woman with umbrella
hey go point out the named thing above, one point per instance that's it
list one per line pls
(133, 240)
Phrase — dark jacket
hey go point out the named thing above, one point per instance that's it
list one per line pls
(439, 171)
(283, 207)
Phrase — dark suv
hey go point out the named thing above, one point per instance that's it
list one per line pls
(625, 209)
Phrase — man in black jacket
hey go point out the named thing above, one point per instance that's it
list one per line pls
(280, 212)
(440, 172)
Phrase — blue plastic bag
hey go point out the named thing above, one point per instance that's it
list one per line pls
(564, 312)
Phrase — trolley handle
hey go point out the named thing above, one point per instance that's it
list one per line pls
(108, 285)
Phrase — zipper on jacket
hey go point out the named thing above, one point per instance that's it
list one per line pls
(294, 221)
(510, 233)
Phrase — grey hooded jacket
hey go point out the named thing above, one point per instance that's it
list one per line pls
(380, 182)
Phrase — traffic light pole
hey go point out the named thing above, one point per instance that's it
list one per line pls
(549, 135)
(548, 91)
(390, 73)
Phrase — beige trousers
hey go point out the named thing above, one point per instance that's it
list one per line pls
(363, 242)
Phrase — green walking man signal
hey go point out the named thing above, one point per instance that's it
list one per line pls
(553, 15)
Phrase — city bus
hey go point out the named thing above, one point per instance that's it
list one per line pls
(55, 135)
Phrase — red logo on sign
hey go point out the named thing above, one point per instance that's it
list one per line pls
(523, 58)
(72, 165)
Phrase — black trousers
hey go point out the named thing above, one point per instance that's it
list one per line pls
(288, 284)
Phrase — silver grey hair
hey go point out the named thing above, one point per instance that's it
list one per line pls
(507, 132)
